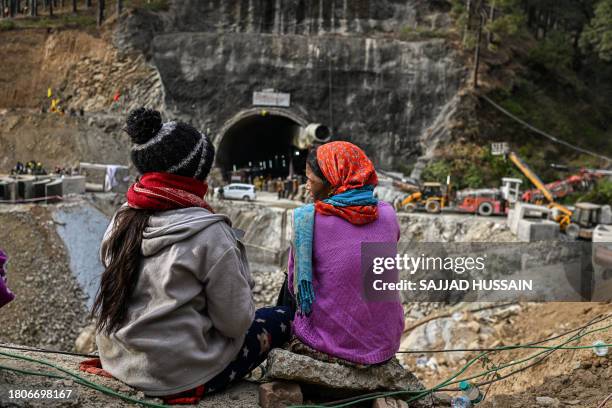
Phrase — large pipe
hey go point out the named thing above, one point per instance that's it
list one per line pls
(311, 134)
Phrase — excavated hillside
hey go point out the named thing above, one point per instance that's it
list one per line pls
(84, 71)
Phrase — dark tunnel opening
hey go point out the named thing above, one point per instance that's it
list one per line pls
(260, 145)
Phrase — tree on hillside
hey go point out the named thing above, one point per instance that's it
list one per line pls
(100, 12)
(88, 3)
(74, 6)
(119, 7)
(50, 3)
(597, 35)
(34, 8)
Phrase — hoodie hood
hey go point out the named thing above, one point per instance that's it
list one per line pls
(169, 227)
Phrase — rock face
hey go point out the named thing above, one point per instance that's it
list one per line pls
(344, 63)
(268, 233)
(422, 227)
(266, 229)
(284, 365)
(294, 16)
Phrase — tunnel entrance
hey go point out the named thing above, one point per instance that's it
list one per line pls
(260, 144)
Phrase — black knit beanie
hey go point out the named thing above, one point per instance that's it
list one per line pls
(171, 147)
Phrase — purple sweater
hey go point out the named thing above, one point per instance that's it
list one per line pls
(342, 323)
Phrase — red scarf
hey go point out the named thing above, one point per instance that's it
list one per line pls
(165, 191)
(346, 166)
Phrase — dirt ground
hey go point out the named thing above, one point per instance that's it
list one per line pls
(49, 309)
(83, 70)
(573, 377)
(36, 59)
(61, 141)
(242, 395)
(81, 67)
(565, 379)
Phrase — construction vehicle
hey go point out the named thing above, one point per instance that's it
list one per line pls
(576, 224)
(583, 180)
(490, 201)
(560, 213)
(431, 196)
(588, 216)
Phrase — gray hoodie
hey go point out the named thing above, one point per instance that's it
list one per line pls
(191, 307)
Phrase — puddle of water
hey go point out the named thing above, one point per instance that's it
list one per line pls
(82, 228)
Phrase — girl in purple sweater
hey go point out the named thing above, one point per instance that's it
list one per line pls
(324, 263)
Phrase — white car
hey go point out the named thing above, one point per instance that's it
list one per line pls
(238, 191)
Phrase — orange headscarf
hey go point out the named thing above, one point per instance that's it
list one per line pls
(346, 167)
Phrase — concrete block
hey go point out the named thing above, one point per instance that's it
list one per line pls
(606, 215)
(124, 181)
(39, 188)
(73, 185)
(532, 230)
(522, 210)
(8, 190)
(512, 221)
(25, 188)
(55, 188)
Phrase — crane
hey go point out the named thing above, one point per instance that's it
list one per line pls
(561, 214)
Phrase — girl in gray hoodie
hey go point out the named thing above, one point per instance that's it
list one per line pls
(175, 313)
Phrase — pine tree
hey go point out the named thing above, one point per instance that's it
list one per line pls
(597, 35)
(100, 12)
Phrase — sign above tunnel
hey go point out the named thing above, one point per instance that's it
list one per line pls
(270, 98)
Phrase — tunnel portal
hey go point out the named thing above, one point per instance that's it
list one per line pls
(261, 145)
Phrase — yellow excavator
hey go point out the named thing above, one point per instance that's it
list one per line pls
(430, 196)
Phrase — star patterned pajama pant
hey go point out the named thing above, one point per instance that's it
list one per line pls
(271, 328)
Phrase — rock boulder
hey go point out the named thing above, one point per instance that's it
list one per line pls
(284, 365)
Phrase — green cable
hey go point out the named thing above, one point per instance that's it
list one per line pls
(422, 393)
(85, 382)
(568, 348)
(471, 362)
(450, 382)
(40, 374)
